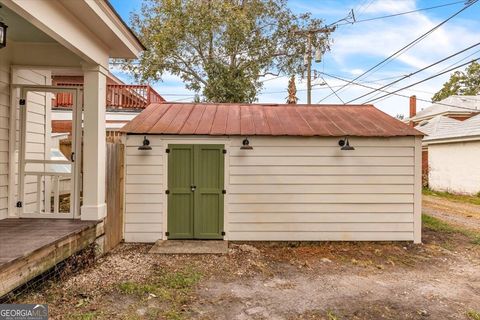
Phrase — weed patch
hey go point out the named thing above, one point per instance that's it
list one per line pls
(438, 225)
(473, 315)
(172, 290)
(453, 197)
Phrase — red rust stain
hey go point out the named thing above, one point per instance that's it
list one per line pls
(267, 119)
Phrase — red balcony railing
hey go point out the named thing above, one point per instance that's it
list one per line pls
(119, 96)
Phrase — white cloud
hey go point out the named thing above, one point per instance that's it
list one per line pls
(388, 6)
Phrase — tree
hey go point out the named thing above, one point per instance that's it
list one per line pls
(463, 83)
(221, 48)
(292, 91)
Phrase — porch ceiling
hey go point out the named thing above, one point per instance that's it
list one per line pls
(20, 29)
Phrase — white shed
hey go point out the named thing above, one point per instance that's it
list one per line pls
(453, 159)
(271, 172)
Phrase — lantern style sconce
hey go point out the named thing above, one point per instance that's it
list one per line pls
(145, 144)
(345, 144)
(3, 35)
(246, 145)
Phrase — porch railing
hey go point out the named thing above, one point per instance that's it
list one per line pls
(119, 96)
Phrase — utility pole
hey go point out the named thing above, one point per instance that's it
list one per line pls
(309, 68)
(309, 34)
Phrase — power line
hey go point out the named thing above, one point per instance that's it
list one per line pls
(426, 79)
(401, 13)
(406, 47)
(397, 94)
(333, 90)
(418, 71)
(463, 59)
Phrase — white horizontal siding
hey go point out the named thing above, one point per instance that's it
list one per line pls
(306, 189)
(4, 127)
(288, 188)
(144, 192)
(37, 133)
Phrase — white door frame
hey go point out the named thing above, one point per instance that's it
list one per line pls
(77, 112)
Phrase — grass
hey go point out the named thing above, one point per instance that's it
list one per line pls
(453, 197)
(444, 227)
(473, 315)
(172, 289)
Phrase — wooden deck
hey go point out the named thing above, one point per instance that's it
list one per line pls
(29, 247)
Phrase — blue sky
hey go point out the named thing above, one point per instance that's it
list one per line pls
(360, 46)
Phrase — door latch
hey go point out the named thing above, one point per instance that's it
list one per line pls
(193, 188)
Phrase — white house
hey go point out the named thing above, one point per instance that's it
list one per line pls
(43, 37)
(50, 35)
(271, 172)
(453, 159)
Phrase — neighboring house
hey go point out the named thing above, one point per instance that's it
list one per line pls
(455, 107)
(440, 115)
(123, 102)
(271, 172)
(432, 127)
(454, 154)
(46, 37)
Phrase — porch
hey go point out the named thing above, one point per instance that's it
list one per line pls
(29, 247)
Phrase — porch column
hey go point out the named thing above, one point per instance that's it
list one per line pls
(94, 143)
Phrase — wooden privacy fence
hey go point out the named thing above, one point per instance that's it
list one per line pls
(114, 195)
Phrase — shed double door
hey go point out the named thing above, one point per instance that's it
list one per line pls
(195, 191)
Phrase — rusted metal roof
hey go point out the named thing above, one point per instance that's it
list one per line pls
(267, 120)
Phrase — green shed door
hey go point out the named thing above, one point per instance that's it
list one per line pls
(195, 183)
(208, 212)
(180, 197)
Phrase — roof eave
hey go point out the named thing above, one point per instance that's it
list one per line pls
(130, 47)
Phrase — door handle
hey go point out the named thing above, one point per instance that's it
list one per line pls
(193, 188)
(72, 157)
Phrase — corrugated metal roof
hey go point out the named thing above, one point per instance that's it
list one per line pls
(452, 104)
(436, 125)
(464, 129)
(267, 119)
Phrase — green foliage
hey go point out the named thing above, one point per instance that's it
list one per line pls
(171, 287)
(221, 48)
(473, 315)
(444, 227)
(453, 197)
(461, 83)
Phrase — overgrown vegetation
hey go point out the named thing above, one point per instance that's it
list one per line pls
(453, 197)
(441, 226)
(473, 315)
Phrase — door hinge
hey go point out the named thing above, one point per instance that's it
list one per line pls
(167, 191)
(19, 204)
(224, 191)
(22, 102)
(167, 233)
(167, 150)
(224, 151)
(223, 233)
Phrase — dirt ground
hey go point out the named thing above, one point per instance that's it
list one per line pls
(439, 279)
(457, 213)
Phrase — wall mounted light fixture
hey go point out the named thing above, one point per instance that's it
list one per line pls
(345, 144)
(145, 144)
(246, 144)
(3, 35)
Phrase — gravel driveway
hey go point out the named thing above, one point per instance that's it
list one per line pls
(458, 213)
